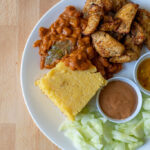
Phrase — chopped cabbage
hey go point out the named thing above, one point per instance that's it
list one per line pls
(134, 146)
(147, 127)
(123, 137)
(146, 104)
(146, 115)
(91, 131)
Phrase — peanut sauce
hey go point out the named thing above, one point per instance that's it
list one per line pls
(118, 100)
(143, 74)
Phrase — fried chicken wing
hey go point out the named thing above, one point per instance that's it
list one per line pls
(137, 33)
(126, 14)
(106, 45)
(95, 15)
(143, 18)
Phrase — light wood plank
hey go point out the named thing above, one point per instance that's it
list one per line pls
(8, 74)
(8, 12)
(46, 5)
(17, 129)
(7, 136)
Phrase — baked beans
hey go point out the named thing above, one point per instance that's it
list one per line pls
(68, 26)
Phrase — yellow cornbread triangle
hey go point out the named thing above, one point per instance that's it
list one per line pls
(70, 90)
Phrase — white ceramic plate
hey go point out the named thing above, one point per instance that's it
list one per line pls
(46, 116)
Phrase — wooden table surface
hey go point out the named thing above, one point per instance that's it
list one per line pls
(17, 130)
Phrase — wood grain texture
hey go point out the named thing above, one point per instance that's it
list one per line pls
(17, 130)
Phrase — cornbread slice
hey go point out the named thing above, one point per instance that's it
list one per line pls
(70, 90)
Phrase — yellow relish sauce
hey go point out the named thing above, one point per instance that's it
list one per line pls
(143, 74)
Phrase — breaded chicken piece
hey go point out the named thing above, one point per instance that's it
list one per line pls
(126, 14)
(106, 45)
(117, 4)
(137, 33)
(143, 18)
(106, 4)
(95, 15)
(131, 53)
(111, 25)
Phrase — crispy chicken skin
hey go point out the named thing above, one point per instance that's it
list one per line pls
(137, 33)
(95, 15)
(106, 45)
(126, 14)
(131, 53)
(143, 18)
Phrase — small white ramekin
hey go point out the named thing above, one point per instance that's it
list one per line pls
(141, 59)
(139, 101)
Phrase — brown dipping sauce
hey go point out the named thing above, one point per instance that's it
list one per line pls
(118, 100)
(143, 74)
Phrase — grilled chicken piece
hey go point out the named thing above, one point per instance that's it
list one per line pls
(132, 52)
(126, 14)
(106, 4)
(88, 5)
(143, 18)
(106, 45)
(95, 15)
(111, 25)
(117, 4)
(137, 33)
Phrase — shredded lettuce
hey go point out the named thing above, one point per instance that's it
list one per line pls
(91, 131)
